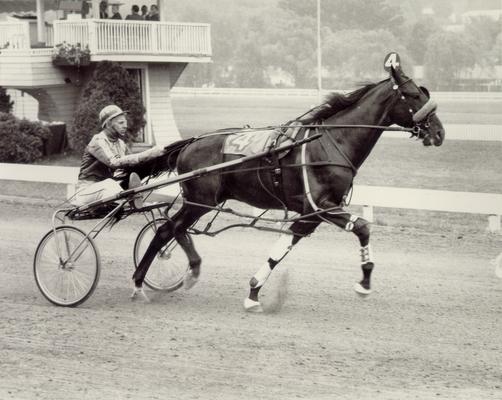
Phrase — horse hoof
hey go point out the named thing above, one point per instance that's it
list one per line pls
(361, 290)
(252, 306)
(190, 280)
(139, 293)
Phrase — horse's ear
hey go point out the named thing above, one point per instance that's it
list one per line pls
(425, 91)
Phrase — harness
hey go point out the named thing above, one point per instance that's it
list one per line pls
(420, 118)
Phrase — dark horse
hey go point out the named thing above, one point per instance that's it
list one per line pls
(315, 179)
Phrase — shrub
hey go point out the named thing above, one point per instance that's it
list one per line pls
(109, 84)
(5, 103)
(21, 140)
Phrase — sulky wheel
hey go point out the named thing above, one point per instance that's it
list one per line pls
(66, 266)
(169, 266)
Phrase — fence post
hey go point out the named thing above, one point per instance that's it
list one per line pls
(93, 36)
(494, 223)
(368, 213)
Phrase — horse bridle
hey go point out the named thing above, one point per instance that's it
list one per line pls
(421, 117)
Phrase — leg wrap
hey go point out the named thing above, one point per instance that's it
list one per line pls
(262, 274)
(282, 247)
(366, 254)
(362, 230)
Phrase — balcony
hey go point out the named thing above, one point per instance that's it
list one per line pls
(116, 40)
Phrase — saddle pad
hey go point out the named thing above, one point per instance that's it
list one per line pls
(247, 143)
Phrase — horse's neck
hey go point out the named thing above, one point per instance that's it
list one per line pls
(357, 143)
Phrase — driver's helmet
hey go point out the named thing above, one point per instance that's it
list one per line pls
(108, 113)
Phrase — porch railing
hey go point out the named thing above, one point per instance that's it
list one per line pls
(136, 37)
(14, 35)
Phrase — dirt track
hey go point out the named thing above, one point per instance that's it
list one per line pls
(431, 329)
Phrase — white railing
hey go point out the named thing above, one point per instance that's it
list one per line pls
(366, 196)
(136, 37)
(14, 35)
(71, 32)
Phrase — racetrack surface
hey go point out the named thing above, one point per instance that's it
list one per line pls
(431, 329)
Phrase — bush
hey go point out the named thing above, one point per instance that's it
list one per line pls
(21, 140)
(5, 103)
(109, 84)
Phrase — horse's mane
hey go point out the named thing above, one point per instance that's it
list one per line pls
(336, 102)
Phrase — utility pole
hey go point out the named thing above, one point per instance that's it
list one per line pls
(319, 56)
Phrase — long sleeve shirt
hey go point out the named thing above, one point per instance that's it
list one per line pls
(105, 158)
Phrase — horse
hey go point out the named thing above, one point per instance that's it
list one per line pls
(315, 178)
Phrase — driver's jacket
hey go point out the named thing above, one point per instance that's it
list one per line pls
(105, 158)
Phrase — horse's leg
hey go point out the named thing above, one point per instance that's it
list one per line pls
(281, 248)
(176, 228)
(186, 220)
(360, 227)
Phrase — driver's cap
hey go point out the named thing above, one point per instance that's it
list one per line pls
(108, 113)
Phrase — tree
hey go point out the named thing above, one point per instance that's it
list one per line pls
(354, 56)
(350, 14)
(5, 103)
(417, 38)
(482, 33)
(447, 55)
(110, 84)
(496, 51)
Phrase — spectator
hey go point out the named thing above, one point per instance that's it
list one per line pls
(84, 11)
(115, 12)
(144, 12)
(103, 6)
(135, 14)
(154, 13)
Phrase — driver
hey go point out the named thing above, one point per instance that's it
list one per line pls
(101, 169)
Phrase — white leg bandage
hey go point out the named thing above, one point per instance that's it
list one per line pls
(262, 275)
(350, 225)
(366, 254)
(281, 247)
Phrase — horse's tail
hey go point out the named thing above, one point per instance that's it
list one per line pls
(173, 151)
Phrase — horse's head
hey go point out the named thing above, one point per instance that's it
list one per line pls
(412, 107)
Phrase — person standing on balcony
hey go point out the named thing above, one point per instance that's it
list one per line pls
(144, 12)
(154, 13)
(115, 12)
(135, 14)
(103, 7)
(105, 157)
(84, 10)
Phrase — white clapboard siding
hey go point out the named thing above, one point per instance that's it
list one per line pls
(29, 68)
(161, 117)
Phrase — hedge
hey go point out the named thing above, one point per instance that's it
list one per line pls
(5, 103)
(21, 141)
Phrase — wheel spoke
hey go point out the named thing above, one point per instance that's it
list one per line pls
(74, 281)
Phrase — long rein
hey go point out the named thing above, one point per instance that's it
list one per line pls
(317, 212)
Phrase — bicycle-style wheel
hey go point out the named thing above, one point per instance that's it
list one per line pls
(66, 266)
(169, 266)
